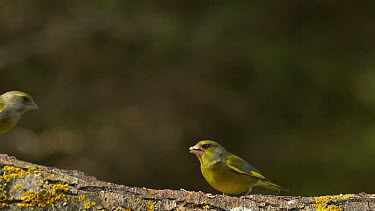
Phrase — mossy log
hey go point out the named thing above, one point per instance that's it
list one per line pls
(26, 186)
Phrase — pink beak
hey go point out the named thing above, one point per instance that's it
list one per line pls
(197, 149)
(32, 106)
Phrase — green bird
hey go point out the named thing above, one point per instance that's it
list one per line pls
(12, 105)
(229, 173)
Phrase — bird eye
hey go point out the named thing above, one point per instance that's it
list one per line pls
(25, 99)
(205, 146)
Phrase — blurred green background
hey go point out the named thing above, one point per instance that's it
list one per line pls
(126, 87)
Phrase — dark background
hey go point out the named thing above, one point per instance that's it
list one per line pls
(126, 87)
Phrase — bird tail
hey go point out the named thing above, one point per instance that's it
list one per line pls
(271, 186)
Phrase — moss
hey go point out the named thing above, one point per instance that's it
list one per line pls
(322, 202)
(46, 197)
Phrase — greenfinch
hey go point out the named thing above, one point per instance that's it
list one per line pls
(12, 105)
(229, 173)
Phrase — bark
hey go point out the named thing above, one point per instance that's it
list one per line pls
(26, 186)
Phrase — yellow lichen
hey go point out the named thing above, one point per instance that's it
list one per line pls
(31, 168)
(11, 172)
(60, 187)
(321, 202)
(3, 205)
(122, 209)
(150, 206)
(44, 198)
(16, 186)
(40, 199)
(206, 207)
(88, 205)
(81, 197)
(139, 200)
(49, 175)
(3, 199)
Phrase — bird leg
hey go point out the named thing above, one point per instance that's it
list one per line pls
(248, 192)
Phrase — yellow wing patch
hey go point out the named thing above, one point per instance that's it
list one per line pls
(256, 174)
(239, 165)
(251, 173)
(1, 105)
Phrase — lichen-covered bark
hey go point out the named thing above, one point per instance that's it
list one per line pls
(26, 186)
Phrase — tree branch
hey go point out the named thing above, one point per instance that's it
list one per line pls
(28, 186)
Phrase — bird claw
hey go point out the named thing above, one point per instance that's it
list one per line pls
(209, 195)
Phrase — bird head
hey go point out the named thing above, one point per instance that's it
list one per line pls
(21, 101)
(208, 151)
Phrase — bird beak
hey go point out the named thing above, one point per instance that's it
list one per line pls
(197, 149)
(32, 106)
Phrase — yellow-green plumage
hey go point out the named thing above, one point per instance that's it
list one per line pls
(12, 105)
(229, 173)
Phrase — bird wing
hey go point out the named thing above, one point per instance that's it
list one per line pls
(241, 166)
(1, 105)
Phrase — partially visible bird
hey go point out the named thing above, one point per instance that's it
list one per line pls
(12, 105)
(229, 173)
